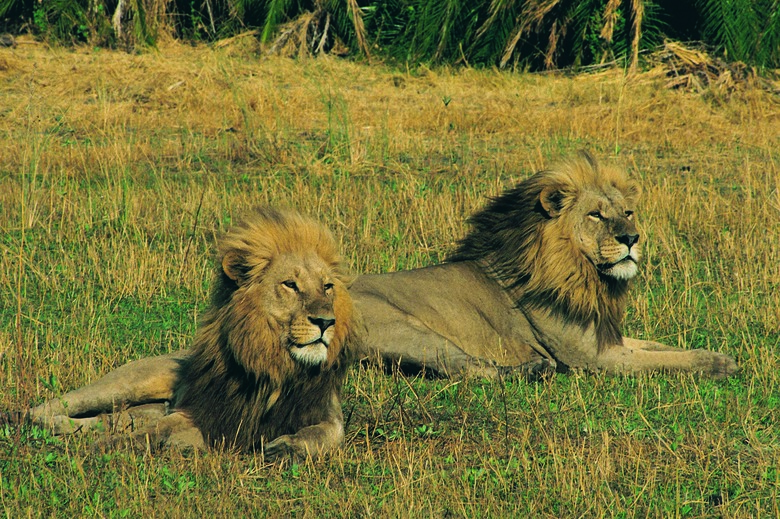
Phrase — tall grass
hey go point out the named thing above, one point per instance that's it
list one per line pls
(114, 183)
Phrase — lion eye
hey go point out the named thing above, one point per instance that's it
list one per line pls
(629, 214)
(292, 285)
(596, 215)
(328, 287)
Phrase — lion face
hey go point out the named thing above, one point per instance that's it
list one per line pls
(595, 212)
(605, 230)
(298, 294)
(282, 295)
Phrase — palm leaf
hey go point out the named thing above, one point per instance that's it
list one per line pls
(277, 11)
(732, 24)
(356, 15)
(769, 41)
(6, 6)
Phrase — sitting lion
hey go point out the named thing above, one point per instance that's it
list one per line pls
(269, 356)
(540, 282)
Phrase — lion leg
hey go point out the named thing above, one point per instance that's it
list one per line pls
(311, 441)
(449, 361)
(142, 381)
(639, 344)
(636, 356)
(175, 430)
(446, 360)
(125, 420)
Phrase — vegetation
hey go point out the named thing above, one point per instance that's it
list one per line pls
(746, 30)
(114, 182)
(517, 33)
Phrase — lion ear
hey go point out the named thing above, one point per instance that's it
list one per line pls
(632, 190)
(552, 199)
(234, 265)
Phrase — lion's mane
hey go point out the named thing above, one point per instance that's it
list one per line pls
(532, 256)
(240, 386)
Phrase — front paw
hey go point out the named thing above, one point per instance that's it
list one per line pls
(282, 447)
(716, 365)
(61, 424)
(51, 415)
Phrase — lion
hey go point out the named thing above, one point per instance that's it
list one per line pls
(539, 283)
(269, 356)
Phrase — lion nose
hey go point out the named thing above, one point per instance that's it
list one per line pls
(628, 239)
(323, 323)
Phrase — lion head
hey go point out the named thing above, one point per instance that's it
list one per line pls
(565, 239)
(272, 349)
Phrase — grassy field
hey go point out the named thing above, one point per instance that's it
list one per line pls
(117, 171)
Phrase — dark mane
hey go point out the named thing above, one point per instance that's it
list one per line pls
(529, 253)
(240, 386)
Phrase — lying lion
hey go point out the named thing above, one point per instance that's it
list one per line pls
(539, 282)
(269, 357)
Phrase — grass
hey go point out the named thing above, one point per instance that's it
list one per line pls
(118, 170)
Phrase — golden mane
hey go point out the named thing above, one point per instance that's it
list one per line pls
(248, 247)
(240, 385)
(522, 239)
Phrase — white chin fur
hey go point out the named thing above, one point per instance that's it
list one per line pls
(624, 270)
(311, 355)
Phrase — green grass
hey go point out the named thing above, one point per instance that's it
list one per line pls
(111, 197)
(574, 445)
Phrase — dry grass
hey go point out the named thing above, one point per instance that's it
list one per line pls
(116, 171)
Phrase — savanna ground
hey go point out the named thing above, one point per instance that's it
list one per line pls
(117, 171)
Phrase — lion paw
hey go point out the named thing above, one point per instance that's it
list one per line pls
(283, 446)
(717, 365)
(533, 371)
(51, 415)
(61, 424)
(291, 446)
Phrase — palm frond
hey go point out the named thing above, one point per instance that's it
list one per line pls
(356, 15)
(733, 25)
(6, 6)
(769, 41)
(498, 9)
(276, 11)
(638, 15)
(610, 19)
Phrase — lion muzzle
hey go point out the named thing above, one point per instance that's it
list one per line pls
(311, 338)
(627, 239)
(323, 323)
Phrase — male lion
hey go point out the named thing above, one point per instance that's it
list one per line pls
(539, 282)
(269, 356)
